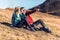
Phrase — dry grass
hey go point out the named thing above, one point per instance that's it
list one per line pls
(12, 33)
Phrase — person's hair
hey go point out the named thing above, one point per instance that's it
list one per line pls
(16, 9)
(21, 8)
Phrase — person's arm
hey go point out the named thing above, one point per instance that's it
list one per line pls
(13, 19)
(28, 12)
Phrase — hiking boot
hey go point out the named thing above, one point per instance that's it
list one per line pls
(45, 29)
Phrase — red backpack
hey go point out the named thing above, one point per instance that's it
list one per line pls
(30, 20)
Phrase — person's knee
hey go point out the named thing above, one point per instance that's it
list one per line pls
(40, 20)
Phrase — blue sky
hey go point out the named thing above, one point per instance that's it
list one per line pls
(22, 3)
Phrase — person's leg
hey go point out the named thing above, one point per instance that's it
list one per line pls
(34, 27)
(44, 27)
(40, 22)
(28, 25)
(19, 25)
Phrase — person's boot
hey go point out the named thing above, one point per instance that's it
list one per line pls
(45, 29)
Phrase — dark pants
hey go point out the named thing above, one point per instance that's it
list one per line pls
(44, 28)
(34, 25)
(39, 22)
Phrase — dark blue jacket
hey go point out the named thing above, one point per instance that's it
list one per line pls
(16, 19)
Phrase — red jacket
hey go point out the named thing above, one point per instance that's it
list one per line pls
(30, 20)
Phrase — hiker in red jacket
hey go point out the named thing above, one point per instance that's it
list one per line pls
(34, 24)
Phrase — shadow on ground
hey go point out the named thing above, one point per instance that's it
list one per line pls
(10, 25)
(6, 24)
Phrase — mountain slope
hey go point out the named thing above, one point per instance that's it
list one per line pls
(49, 6)
(11, 33)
